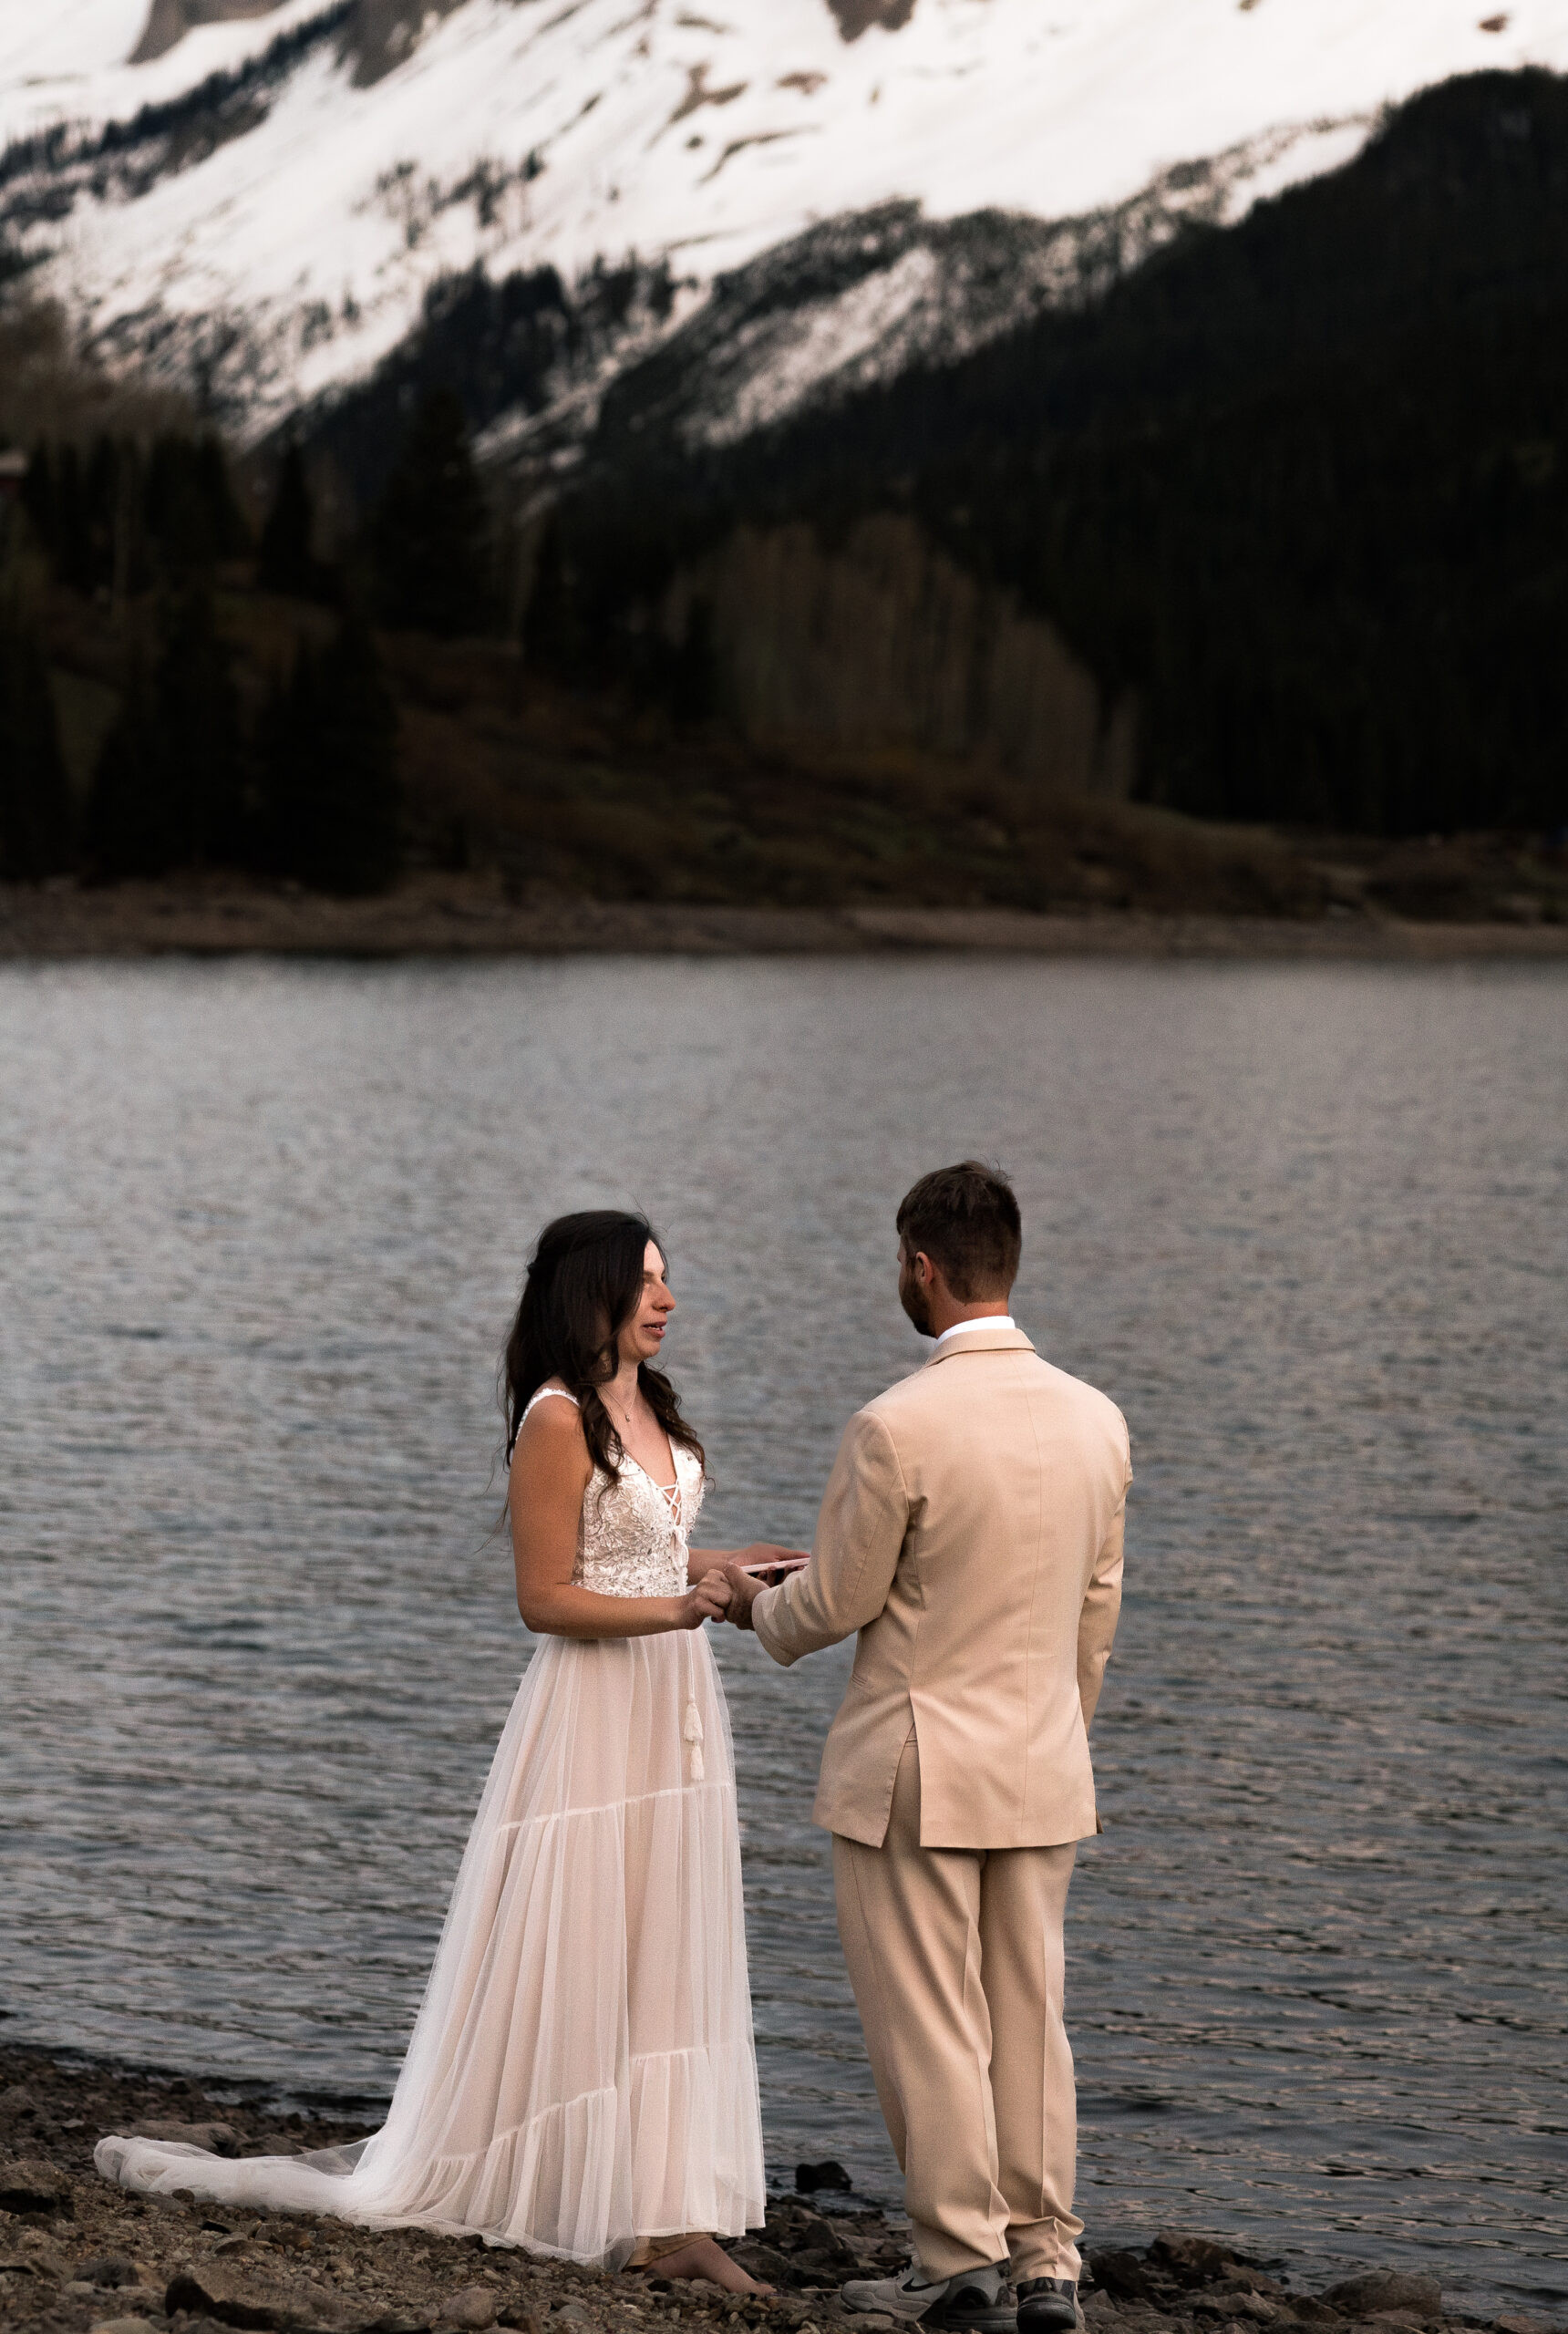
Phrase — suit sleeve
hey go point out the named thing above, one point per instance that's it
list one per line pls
(1101, 1606)
(860, 1533)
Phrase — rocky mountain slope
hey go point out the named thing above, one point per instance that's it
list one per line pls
(255, 197)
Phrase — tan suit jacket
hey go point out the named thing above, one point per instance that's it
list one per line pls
(971, 1531)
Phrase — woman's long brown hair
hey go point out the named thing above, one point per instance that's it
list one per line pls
(584, 1283)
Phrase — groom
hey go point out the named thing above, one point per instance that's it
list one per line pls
(971, 1532)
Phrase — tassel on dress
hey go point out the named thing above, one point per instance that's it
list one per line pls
(692, 1733)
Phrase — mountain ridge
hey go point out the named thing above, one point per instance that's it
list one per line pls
(260, 207)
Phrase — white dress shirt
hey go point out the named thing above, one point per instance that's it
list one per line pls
(966, 1328)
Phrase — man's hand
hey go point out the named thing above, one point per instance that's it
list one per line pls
(710, 1600)
(744, 1591)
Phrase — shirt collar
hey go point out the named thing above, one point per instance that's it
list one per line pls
(968, 1328)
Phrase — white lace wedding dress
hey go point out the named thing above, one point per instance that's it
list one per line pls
(582, 2075)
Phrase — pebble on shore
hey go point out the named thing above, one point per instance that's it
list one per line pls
(78, 2256)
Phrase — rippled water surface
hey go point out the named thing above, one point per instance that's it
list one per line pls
(262, 1228)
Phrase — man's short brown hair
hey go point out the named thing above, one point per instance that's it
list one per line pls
(965, 1219)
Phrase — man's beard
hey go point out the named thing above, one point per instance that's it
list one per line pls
(916, 1302)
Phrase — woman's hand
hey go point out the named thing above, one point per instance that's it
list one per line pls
(709, 1601)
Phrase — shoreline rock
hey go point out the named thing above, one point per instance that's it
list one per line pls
(78, 2256)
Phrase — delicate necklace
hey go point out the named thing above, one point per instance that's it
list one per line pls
(626, 1413)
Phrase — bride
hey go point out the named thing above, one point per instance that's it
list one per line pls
(581, 2080)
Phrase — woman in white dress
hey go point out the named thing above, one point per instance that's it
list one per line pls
(581, 2080)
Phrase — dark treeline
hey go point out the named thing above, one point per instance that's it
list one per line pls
(296, 779)
(38, 823)
(306, 789)
(497, 347)
(429, 538)
(124, 518)
(1300, 484)
(493, 345)
(425, 558)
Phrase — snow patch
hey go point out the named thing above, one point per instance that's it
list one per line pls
(285, 244)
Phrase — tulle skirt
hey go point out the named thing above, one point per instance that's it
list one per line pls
(581, 2073)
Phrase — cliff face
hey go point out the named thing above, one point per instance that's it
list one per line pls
(169, 21)
(382, 33)
(883, 641)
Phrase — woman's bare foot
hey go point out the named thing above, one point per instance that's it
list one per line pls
(703, 2258)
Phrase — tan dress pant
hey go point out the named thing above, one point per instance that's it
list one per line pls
(957, 1960)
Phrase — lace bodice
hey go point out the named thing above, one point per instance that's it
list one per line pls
(633, 1539)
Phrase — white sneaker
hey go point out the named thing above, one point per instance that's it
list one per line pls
(974, 2301)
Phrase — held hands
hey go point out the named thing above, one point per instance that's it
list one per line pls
(745, 1587)
(709, 1601)
(728, 1595)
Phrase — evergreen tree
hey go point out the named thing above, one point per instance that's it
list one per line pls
(199, 726)
(356, 841)
(694, 673)
(128, 564)
(430, 537)
(331, 797)
(285, 561)
(105, 481)
(286, 734)
(231, 534)
(168, 789)
(177, 518)
(36, 813)
(72, 550)
(130, 819)
(549, 624)
(39, 497)
(188, 505)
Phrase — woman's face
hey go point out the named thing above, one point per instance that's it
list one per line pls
(644, 1334)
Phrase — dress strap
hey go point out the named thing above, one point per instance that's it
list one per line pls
(543, 1395)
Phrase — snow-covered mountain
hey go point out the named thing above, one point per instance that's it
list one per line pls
(259, 193)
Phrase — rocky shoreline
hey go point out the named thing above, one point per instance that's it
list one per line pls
(80, 2256)
(470, 915)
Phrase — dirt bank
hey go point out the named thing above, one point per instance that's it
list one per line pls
(469, 915)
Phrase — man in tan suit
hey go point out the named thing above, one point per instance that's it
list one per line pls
(971, 1532)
